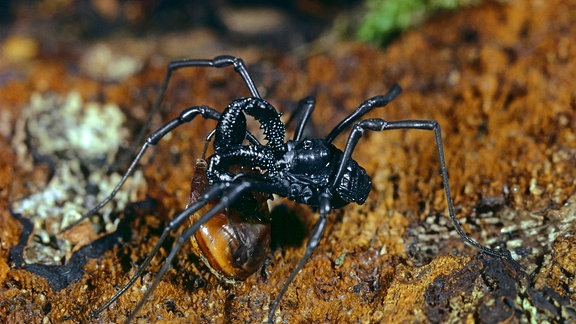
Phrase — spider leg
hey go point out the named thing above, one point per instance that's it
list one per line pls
(218, 62)
(230, 192)
(378, 124)
(364, 108)
(324, 209)
(210, 194)
(306, 107)
(185, 116)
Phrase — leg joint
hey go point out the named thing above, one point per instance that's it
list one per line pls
(225, 60)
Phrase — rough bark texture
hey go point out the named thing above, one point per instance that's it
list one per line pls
(499, 78)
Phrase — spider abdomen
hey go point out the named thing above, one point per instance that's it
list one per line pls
(355, 184)
(310, 165)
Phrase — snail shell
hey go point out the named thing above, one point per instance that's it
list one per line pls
(235, 242)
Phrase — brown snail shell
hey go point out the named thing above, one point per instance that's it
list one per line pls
(232, 244)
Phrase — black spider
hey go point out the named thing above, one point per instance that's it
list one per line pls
(309, 171)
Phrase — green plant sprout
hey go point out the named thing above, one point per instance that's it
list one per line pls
(385, 19)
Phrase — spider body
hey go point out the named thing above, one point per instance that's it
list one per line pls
(234, 243)
(300, 170)
(226, 215)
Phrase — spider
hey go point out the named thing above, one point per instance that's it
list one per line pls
(243, 173)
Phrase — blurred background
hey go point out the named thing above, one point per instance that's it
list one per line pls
(28, 28)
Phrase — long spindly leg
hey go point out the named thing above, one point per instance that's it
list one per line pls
(364, 108)
(230, 192)
(218, 62)
(210, 194)
(305, 107)
(185, 116)
(324, 209)
(378, 124)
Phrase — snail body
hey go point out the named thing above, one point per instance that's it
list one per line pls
(235, 242)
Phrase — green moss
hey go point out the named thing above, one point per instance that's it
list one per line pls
(385, 19)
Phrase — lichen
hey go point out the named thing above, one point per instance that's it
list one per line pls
(77, 139)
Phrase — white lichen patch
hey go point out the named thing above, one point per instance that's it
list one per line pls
(80, 139)
(110, 62)
(71, 127)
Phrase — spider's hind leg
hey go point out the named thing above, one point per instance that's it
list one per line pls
(377, 124)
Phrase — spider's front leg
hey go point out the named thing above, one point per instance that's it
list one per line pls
(217, 62)
(185, 116)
